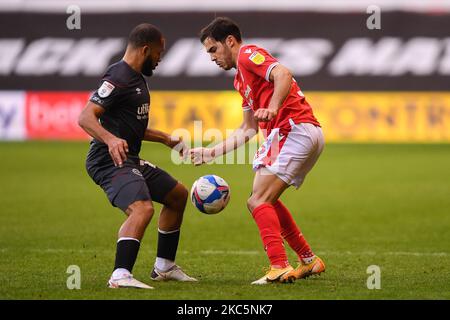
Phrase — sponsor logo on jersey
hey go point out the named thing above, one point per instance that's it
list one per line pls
(257, 58)
(142, 111)
(105, 89)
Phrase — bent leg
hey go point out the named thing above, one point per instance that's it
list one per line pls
(171, 215)
(170, 220)
(292, 234)
(130, 234)
(139, 215)
(267, 187)
(172, 195)
(298, 155)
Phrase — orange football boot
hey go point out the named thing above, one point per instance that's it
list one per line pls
(304, 270)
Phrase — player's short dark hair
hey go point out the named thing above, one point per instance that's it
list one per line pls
(219, 29)
(144, 34)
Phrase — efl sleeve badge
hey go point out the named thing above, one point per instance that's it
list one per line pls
(257, 58)
(105, 89)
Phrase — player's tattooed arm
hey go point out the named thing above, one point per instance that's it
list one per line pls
(164, 138)
(282, 80)
(88, 121)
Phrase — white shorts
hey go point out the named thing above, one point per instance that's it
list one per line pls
(291, 157)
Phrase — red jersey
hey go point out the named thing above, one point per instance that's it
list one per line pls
(254, 65)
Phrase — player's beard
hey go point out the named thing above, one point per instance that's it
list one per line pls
(228, 64)
(147, 67)
(227, 67)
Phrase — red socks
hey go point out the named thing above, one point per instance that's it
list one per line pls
(291, 233)
(270, 230)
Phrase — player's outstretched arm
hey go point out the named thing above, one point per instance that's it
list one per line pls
(168, 140)
(88, 121)
(247, 130)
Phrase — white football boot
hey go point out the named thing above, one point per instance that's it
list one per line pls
(127, 281)
(174, 273)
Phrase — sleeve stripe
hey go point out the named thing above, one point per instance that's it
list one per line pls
(273, 65)
(246, 108)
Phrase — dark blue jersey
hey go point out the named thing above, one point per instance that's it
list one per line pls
(124, 95)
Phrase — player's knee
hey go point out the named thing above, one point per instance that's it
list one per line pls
(183, 193)
(177, 198)
(142, 211)
(256, 200)
(147, 212)
(253, 202)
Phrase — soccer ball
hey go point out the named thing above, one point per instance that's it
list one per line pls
(210, 194)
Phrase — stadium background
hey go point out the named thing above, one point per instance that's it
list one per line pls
(376, 92)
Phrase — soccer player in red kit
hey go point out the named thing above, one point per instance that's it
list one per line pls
(273, 102)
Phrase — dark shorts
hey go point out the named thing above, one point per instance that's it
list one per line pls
(136, 180)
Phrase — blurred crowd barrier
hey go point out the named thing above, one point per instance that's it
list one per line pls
(386, 84)
(345, 116)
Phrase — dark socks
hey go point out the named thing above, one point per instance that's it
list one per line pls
(168, 244)
(126, 253)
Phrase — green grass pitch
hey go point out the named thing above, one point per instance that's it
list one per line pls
(362, 205)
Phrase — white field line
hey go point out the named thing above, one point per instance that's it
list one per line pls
(335, 253)
(246, 252)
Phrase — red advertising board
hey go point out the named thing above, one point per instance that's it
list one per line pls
(54, 115)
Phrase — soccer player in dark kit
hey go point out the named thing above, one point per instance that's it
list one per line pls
(117, 116)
